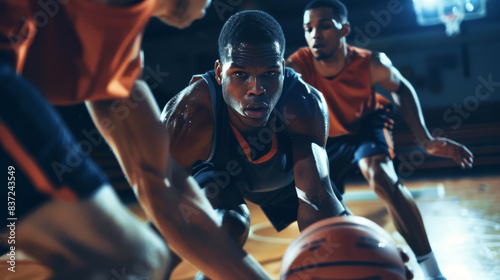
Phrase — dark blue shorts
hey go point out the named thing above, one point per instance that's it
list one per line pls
(374, 137)
(39, 157)
(280, 206)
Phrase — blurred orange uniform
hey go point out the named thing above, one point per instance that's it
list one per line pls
(349, 95)
(74, 50)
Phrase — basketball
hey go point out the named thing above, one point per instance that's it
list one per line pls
(343, 248)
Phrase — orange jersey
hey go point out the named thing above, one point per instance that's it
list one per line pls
(74, 50)
(349, 95)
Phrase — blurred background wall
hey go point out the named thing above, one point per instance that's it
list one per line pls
(445, 71)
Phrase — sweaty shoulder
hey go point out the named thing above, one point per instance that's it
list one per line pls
(189, 119)
(381, 68)
(194, 98)
(380, 59)
(305, 111)
(359, 51)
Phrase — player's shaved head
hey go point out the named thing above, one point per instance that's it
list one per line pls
(250, 27)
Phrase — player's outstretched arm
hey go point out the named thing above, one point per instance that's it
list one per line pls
(306, 118)
(389, 78)
(170, 197)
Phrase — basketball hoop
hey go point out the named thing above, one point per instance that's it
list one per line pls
(452, 23)
(451, 13)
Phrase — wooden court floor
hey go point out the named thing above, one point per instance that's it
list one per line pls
(462, 218)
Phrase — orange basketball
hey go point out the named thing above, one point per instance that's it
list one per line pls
(343, 248)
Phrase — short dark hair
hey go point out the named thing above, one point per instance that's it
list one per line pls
(252, 27)
(339, 9)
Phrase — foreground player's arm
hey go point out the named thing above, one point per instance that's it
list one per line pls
(306, 117)
(388, 77)
(170, 197)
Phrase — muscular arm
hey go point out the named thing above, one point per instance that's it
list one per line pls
(170, 197)
(189, 120)
(308, 125)
(388, 77)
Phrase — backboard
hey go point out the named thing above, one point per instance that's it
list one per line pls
(449, 12)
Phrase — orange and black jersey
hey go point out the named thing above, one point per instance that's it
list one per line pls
(266, 163)
(262, 168)
(47, 161)
(74, 51)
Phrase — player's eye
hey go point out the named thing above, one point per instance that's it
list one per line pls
(308, 29)
(272, 73)
(240, 74)
(326, 26)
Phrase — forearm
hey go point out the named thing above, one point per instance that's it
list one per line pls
(188, 222)
(317, 200)
(171, 199)
(186, 219)
(310, 212)
(411, 111)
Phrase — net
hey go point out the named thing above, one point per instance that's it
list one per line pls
(452, 23)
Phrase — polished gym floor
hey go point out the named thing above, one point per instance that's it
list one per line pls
(462, 218)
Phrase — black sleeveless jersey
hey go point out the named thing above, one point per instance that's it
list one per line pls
(229, 166)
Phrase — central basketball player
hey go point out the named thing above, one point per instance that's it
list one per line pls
(253, 129)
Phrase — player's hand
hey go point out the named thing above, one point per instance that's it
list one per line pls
(406, 258)
(444, 147)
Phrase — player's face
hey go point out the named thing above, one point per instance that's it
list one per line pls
(323, 32)
(181, 13)
(252, 79)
